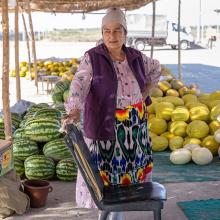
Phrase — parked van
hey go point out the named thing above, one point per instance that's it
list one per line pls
(166, 32)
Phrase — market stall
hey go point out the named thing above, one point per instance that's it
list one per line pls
(179, 117)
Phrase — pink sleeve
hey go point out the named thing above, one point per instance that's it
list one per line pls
(80, 85)
(152, 70)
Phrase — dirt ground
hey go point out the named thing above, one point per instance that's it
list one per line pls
(61, 203)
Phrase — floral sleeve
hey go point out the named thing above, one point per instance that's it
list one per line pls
(152, 70)
(80, 85)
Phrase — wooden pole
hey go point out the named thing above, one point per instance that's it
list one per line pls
(28, 45)
(33, 45)
(179, 46)
(5, 72)
(153, 28)
(18, 83)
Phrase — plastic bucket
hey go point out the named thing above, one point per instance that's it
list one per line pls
(37, 190)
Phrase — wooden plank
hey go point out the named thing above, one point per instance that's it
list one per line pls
(28, 45)
(18, 83)
(33, 45)
(5, 72)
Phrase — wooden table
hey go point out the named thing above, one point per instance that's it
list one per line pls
(50, 80)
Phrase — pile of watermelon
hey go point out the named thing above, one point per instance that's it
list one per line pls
(60, 91)
(39, 149)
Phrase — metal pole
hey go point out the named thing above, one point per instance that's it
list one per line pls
(200, 20)
(18, 83)
(153, 28)
(179, 46)
(5, 72)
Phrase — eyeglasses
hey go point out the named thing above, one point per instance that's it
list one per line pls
(116, 31)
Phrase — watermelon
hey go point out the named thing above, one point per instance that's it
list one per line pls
(42, 130)
(48, 113)
(19, 133)
(19, 166)
(23, 148)
(57, 149)
(65, 95)
(2, 129)
(61, 108)
(16, 119)
(57, 97)
(36, 107)
(66, 170)
(61, 86)
(28, 115)
(39, 167)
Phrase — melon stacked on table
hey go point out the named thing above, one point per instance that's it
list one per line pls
(179, 116)
(39, 149)
(64, 68)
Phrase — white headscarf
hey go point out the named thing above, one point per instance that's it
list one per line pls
(116, 15)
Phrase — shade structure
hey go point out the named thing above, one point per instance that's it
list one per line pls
(71, 6)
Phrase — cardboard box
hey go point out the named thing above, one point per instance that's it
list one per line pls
(6, 160)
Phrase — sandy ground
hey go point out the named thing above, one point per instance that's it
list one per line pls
(61, 203)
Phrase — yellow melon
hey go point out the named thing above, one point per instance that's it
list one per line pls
(159, 143)
(213, 103)
(167, 134)
(180, 113)
(176, 84)
(204, 98)
(164, 85)
(172, 92)
(156, 92)
(215, 95)
(215, 112)
(183, 91)
(189, 140)
(189, 98)
(175, 142)
(210, 143)
(178, 128)
(164, 110)
(197, 129)
(157, 125)
(199, 113)
(176, 101)
(214, 126)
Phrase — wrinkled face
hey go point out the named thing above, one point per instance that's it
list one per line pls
(114, 35)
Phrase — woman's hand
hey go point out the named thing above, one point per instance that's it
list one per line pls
(72, 117)
(147, 91)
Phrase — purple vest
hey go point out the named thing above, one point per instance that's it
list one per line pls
(100, 104)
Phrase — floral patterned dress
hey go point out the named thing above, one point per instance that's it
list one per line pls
(128, 158)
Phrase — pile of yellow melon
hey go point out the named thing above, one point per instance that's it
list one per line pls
(179, 116)
(66, 68)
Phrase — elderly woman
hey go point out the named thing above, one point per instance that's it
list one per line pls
(111, 88)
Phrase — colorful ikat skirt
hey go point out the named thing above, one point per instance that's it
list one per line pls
(128, 158)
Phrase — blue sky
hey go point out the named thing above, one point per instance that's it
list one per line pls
(189, 11)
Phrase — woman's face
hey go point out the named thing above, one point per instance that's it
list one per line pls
(113, 35)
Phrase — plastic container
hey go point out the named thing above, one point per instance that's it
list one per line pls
(37, 190)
